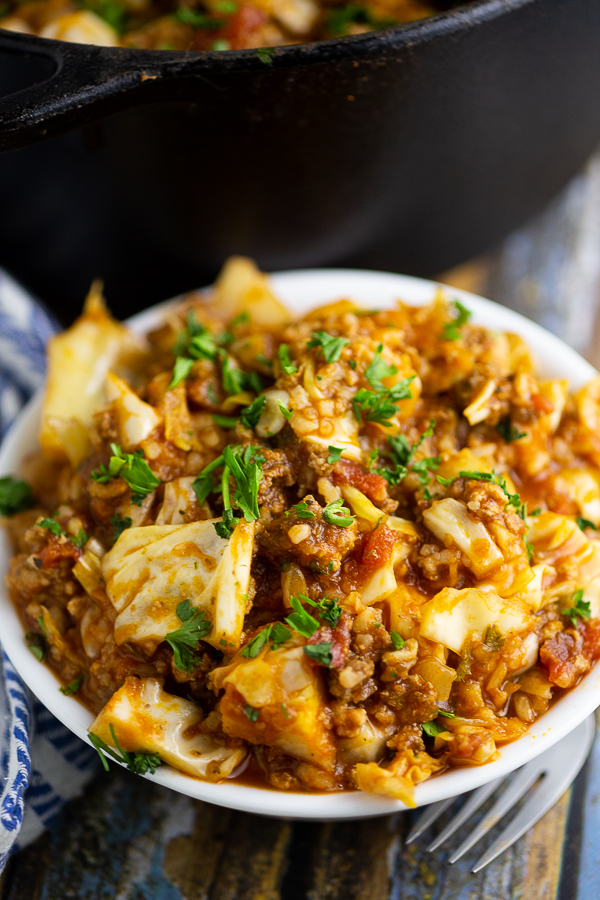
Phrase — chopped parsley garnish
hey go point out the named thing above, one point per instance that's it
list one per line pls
(251, 414)
(432, 728)
(138, 763)
(184, 641)
(133, 469)
(335, 513)
(195, 340)
(464, 667)
(285, 412)
(331, 347)
(580, 609)
(181, 370)
(188, 16)
(302, 510)
(72, 687)
(225, 421)
(120, 525)
(508, 431)
(450, 331)
(402, 454)
(300, 620)
(36, 643)
(447, 713)
(530, 549)
(52, 525)
(251, 713)
(320, 653)
(15, 496)
(231, 376)
(244, 464)
(583, 523)
(380, 406)
(397, 640)
(277, 633)
(265, 54)
(284, 360)
(377, 370)
(493, 638)
(328, 609)
(335, 454)
(80, 539)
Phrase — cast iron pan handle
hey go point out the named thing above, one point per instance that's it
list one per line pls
(88, 83)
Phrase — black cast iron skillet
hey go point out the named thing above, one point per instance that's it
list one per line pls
(407, 149)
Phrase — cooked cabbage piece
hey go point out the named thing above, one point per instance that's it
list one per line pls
(277, 699)
(453, 615)
(152, 569)
(78, 362)
(449, 519)
(146, 719)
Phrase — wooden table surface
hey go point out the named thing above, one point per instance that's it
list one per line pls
(128, 839)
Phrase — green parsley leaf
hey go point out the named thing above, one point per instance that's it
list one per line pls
(444, 481)
(72, 687)
(251, 414)
(80, 539)
(133, 469)
(285, 412)
(245, 464)
(181, 370)
(329, 609)
(285, 362)
(422, 467)
(231, 376)
(336, 513)
(513, 500)
(280, 634)
(580, 609)
(204, 482)
(300, 620)
(36, 643)
(432, 728)
(119, 525)
(509, 432)
(464, 667)
(251, 713)
(188, 16)
(377, 370)
(265, 54)
(381, 406)
(15, 496)
(536, 512)
(450, 331)
(184, 641)
(397, 640)
(225, 421)
(303, 511)
(225, 527)
(320, 653)
(138, 763)
(583, 523)
(257, 643)
(331, 347)
(335, 454)
(447, 713)
(493, 638)
(52, 525)
(530, 549)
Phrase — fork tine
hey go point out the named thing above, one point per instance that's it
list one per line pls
(476, 799)
(427, 818)
(521, 783)
(563, 763)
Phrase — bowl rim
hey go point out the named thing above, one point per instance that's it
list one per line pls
(302, 290)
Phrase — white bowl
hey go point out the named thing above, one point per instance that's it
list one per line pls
(302, 291)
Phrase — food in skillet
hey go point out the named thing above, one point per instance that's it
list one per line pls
(350, 550)
(208, 25)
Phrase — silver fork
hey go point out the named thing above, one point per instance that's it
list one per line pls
(550, 774)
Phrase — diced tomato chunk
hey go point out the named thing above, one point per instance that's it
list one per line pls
(377, 549)
(56, 551)
(372, 486)
(591, 639)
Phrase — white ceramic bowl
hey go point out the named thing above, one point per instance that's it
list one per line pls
(302, 291)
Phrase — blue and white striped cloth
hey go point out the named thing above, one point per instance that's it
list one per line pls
(42, 764)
